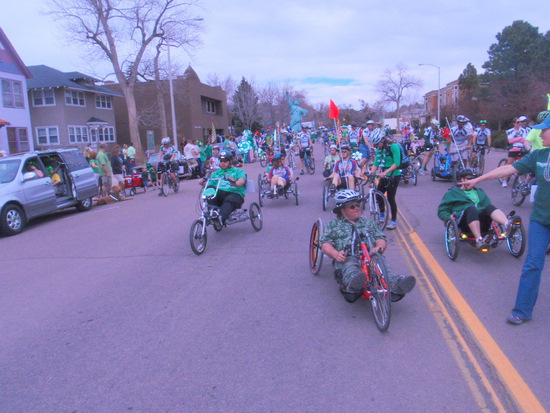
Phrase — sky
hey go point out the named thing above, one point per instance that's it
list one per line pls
(330, 49)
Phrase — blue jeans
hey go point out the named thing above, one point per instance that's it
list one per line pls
(528, 290)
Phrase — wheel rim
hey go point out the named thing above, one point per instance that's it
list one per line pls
(198, 239)
(516, 242)
(14, 220)
(256, 217)
(451, 241)
(315, 253)
(381, 297)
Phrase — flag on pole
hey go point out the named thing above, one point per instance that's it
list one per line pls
(213, 134)
(333, 111)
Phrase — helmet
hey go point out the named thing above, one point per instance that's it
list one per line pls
(483, 122)
(522, 119)
(333, 147)
(378, 135)
(343, 197)
(278, 157)
(225, 156)
(354, 124)
(435, 122)
(148, 165)
(345, 147)
(462, 118)
(370, 122)
(165, 140)
(466, 172)
(543, 115)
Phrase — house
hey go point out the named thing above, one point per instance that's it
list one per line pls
(15, 118)
(69, 109)
(448, 95)
(198, 106)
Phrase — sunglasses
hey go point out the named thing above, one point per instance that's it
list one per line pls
(353, 206)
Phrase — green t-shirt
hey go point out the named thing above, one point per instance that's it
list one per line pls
(225, 185)
(103, 159)
(535, 139)
(386, 159)
(537, 162)
(92, 162)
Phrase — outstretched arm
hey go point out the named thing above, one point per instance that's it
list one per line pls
(500, 172)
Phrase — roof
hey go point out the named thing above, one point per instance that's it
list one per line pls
(191, 74)
(93, 119)
(48, 77)
(4, 122)
(10, 68)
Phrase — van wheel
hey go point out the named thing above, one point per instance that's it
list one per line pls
(12, 220)
(84, 205)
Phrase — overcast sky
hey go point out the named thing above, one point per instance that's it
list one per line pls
(330, 49)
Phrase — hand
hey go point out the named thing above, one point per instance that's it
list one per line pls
(340, 256)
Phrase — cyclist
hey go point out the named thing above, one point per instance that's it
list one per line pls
(481, 138)
(365, 146)
(462, 134)
(279, 175)
(305, 144)
(215, 158)
(472, 209)
(337, 238)
(519, 144)
(330, 161)
(388, 158)
(354, 136)
(346, 170)
(167, 155)
(534, 136)
(523, 120)
(539, 227)
(431, 140)
(232, 187)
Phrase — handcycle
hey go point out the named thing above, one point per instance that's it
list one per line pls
(164, 172)
(445, 167)
(410, 173)
(265, 153)
(210, 215)
(309, 161)
(478, 161)
(329, 190)
(377, 287)
(493, 237)
(264, 190)
(376, 203)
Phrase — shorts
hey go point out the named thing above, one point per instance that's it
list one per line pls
(365, 151)
(105, 180)
(117, 179)
(303, 150)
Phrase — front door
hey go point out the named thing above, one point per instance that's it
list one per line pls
(39, 192)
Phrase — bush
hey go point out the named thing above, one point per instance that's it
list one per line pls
(499, 139)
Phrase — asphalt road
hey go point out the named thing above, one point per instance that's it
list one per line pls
(110, 310)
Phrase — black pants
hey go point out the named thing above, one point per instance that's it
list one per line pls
(388, 186)
(228, 202)
(471, 214)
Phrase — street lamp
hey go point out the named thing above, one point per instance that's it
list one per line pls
(174, 131)
(438, 88)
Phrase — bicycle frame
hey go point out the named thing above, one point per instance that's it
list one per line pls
(365, 259)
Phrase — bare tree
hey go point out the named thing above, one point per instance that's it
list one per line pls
(393, 85)
(122, 31)
(228, 84)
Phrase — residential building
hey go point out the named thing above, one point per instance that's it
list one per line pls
(449, 95)
(15, 119)
(69, 109)
(198, 106)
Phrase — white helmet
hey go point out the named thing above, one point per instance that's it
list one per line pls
(435, 122)
(377, 136)
(343, 197)
(165, 140)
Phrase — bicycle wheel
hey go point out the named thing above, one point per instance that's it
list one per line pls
(263, 159)
(325, 197)
(315, 253)
(256, 217)
(260, 190)
(451, 239)
(379, 288)
(175, 185)
(197, 237)
(455, 170)
(500, 163)
(516, 241)
(310, 165)
(165, 184)
(518, 194)
(481, 164)
(418, 160)
(296, 191)
(379, 214)
(414, 176)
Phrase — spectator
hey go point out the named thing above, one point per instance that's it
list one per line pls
(105, 171)
(118, 168)
(131, 159)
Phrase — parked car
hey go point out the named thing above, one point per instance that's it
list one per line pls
(38, 183)
(186, 169)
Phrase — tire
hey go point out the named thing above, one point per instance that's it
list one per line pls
(12, 220)
(418, 160)
(197, 238)
(176, 185)
(296, 195)
(451, 239)
(375, 211)
(517, 196)
(516, 241)
(260, 191)
(132, 191)
(311, 167)
(325, 197)
(500, 163)
(256, 217)
(84, 205)
(165, 185)
(263, 160)
(455, 171)
(481, 165)
(414, 176)
(315, 253)
(379, 288)
(433, 174)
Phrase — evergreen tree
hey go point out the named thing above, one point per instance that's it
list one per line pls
(246, 107)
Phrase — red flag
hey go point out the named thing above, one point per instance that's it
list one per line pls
(333, 111)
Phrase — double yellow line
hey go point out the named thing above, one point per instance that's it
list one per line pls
(482, 390)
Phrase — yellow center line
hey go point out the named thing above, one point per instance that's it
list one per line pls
(515, 384)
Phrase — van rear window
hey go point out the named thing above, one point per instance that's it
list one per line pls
(75, 160)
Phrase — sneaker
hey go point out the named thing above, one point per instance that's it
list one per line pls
(391, 225)
(161, 193)
(421, 171)
(481, 244)
(357, 282)
(505, 184)
(515, 320)
(403, 285)
(302, 172)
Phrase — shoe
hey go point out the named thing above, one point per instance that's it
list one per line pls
(516, 320)
(270, 195)
(505, 184)
(481, 244)
(391, 225)
(161, 193)
(421, 171)
(403, 285)
(302, 172)
(357, 282)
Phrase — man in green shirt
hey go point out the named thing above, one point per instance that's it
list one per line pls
(538, 163)
(232, 186)
(105, 170)
(131, 151)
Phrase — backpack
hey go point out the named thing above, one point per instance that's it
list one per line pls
(405, 161)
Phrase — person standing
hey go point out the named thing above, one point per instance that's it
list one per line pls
(538, 163)
(105, 170)
(117, 168)
(131, 159)
(519, 145)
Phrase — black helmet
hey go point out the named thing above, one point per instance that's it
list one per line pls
(225, 156)
(466, 172)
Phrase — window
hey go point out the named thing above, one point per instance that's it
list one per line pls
(74, 98)
(78, 134)
(47, 135)
(18, 140)
(103, 134)
(43, 97)
(12, 94)
(210, 106)
(103, 102)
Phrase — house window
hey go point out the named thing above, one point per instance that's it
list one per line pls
(210, 106)
(78, 134)
(74, 98)
(103, 134)
(103, 102)
(47, 135)
(43, 97)
(18, 140)
(12, 94)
